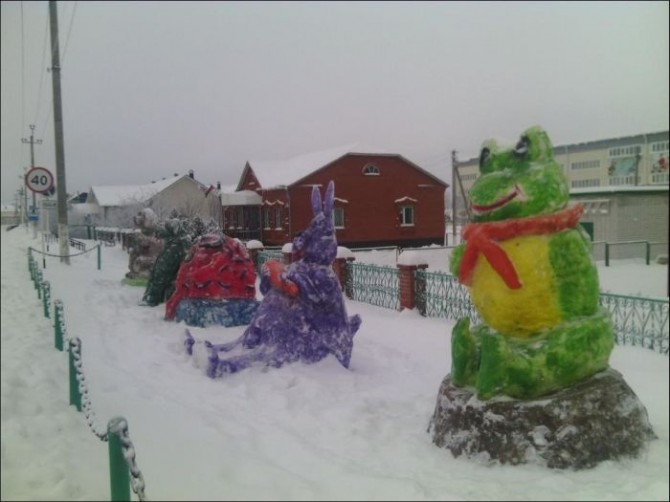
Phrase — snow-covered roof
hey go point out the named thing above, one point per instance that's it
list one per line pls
(120, 195)
(273, 174)
(83, 208)
(241, 198)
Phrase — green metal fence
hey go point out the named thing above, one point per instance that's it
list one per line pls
(441, 295)
(375, 285)
(266, 255)
(639, 321)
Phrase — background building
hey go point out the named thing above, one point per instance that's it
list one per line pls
(380, 199)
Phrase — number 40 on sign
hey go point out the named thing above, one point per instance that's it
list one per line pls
(39, 180)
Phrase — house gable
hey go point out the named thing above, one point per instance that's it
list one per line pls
(248, 180)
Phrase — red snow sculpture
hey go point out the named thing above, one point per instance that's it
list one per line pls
(216, 267)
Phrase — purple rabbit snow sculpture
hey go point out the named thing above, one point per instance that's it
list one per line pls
(302, 316)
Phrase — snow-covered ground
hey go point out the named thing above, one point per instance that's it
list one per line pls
(301, 432)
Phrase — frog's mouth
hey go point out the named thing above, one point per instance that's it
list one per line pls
(487, 208)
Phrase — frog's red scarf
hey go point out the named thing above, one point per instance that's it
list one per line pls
(484, 238)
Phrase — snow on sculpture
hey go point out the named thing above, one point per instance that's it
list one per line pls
(302, 316)
(215, 285)
(532, 381)
(145, 246)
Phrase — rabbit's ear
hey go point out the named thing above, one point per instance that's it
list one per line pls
(328, 202)
(316, 200)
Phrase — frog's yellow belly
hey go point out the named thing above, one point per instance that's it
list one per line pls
(524, 311)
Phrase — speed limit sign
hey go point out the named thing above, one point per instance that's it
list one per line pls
(39, 179)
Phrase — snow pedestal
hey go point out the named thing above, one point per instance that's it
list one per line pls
(599, 419)
(254, 247)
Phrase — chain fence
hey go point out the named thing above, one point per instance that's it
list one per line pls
(124, 471)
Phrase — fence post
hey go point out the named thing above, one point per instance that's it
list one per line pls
(75, 396)
(46, 297)
(408, 262)
(287, 252)
(607, 254)
(420, 289)
(406, 275)
(99, 258)
(58, 328)
(119, 477)
(38, 282)
(648, 254)
(347, 272)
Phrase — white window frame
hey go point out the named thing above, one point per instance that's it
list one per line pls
(371, 170)
(338, 214)
(403, 216)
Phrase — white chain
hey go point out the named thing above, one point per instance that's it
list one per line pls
(75, 349)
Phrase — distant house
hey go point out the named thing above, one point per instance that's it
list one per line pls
(78, 198)
(116, 205)
(380, 199)
(10, 215)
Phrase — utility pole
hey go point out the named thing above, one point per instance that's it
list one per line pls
(32, 142)
(454, 166)
(61, 193)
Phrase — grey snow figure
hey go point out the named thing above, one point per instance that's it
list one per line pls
(302, 316)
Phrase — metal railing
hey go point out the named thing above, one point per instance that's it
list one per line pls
(268, 254)
(638, 321)
(441, 295)
(607, 251)
(375, 285)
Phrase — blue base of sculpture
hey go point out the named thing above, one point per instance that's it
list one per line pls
(204, 312)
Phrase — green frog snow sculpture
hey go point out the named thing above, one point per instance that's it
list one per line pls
(527, 264)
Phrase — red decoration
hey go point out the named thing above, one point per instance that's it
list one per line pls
(484, 238)
(219, 267)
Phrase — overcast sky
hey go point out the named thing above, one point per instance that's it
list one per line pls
(156, 88)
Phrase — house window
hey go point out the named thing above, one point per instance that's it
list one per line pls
(407, 216)
(585, 164)
(338, 217)
(371, 170)
(625, 151)
(266, 218)
(278, 224)
(240, 218)
(585, 183)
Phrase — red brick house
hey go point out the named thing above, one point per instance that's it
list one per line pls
(380, 199)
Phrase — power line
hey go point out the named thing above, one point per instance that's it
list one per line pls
(67, 40)
(69, 31)
(23, 74)
(43, 67)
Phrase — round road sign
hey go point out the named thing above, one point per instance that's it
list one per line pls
(39, 179)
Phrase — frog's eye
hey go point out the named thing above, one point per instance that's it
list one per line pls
(484, 156)
(521, 147)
